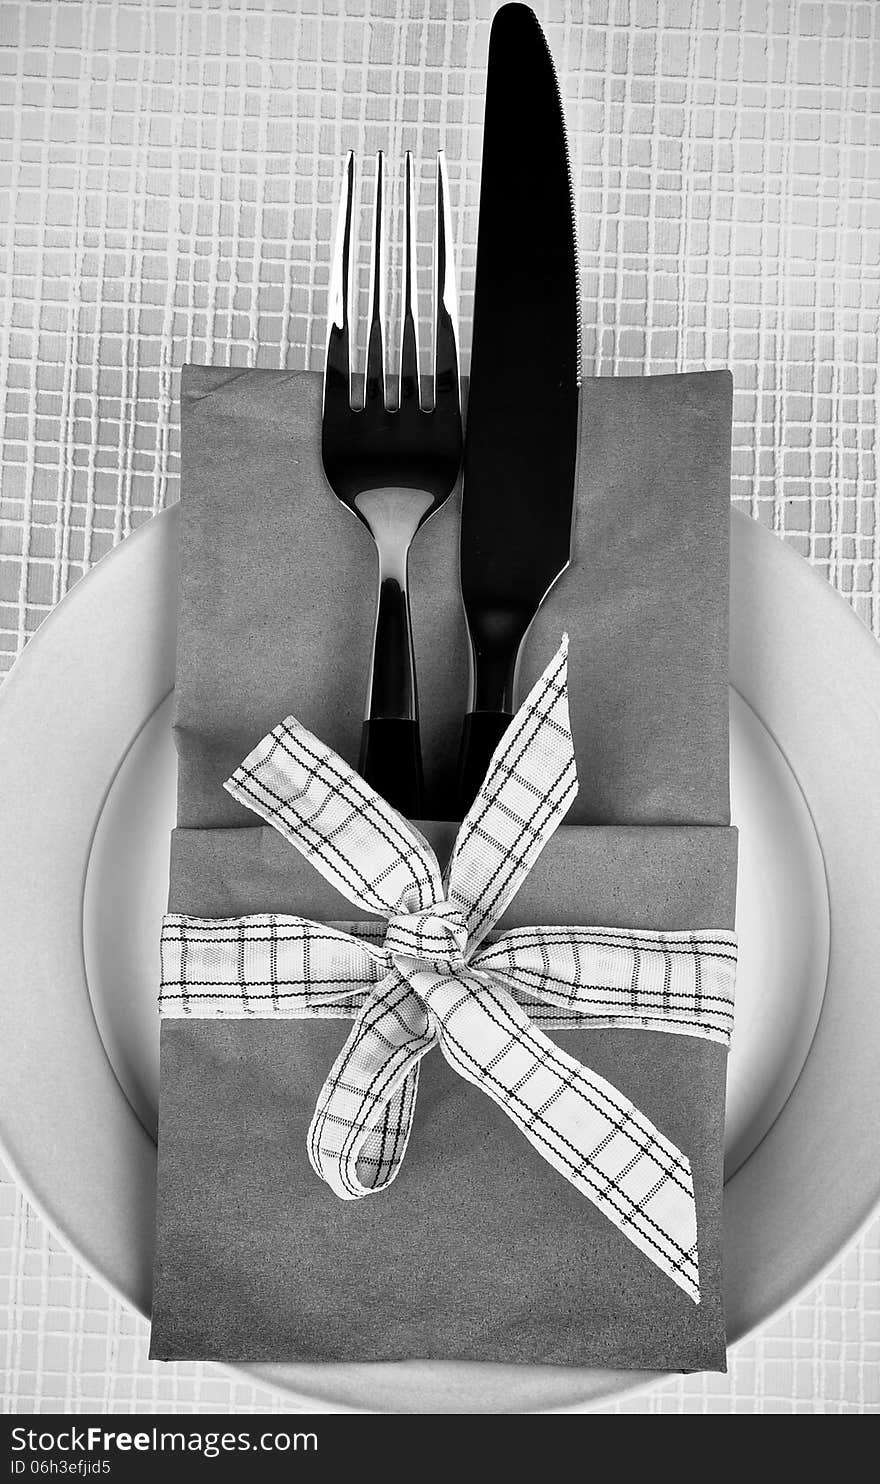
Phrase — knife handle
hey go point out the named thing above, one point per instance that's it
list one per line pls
(480, 736)
(391, 762)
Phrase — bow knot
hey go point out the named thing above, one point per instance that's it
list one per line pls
(436, 938)
(437, 980)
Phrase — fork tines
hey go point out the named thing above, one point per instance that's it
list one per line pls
(339, 365)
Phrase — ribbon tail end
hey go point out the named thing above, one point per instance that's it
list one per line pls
(686, 1273)
(689, 1285)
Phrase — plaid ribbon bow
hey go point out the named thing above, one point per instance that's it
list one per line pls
(431, 976)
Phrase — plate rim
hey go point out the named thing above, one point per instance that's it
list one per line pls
(743, 529)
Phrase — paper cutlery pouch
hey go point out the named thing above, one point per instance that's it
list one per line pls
(479, 1250)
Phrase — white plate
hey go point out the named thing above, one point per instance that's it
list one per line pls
(87, 796)
(782, 922)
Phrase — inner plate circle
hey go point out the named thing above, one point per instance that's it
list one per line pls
(782, 923)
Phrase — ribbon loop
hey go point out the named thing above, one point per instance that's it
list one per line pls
(363, 1117)
(329, 814)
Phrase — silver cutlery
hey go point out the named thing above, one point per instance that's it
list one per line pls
(522, 423)
(392, 466)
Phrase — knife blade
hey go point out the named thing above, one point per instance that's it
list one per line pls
(522, 414)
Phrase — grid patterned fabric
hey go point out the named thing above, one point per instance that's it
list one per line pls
(170, 170)
(427, 983)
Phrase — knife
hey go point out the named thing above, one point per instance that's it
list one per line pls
(522, 415)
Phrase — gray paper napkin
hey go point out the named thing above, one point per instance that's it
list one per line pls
(479, 1250)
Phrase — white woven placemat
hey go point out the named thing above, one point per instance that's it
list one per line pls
(169, 173)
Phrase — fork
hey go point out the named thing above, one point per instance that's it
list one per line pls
(392, 466)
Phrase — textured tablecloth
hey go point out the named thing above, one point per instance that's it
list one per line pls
(169, 175)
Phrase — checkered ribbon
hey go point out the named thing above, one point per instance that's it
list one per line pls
(431, 974)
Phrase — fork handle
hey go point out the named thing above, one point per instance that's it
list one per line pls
(391, 755)
(391, 762)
